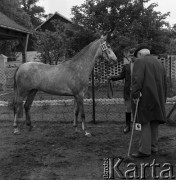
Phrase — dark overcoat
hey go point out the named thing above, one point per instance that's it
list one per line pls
(149, 78)
(126, 75)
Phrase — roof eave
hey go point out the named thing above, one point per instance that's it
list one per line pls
(19, 30)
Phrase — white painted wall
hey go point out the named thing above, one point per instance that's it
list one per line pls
(31, 56)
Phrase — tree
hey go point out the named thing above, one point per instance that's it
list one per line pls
(36, 13)
(62, 43)
(12, 9)
(53, 46)
(80, 37)
(171, 47)
(129, 21)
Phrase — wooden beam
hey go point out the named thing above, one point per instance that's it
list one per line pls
(24, 43)
(25, 48)
(10, 34)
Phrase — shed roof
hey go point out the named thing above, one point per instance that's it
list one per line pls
(9, 29)
(56, 15)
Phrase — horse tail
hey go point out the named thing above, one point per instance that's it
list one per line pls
(15, 91)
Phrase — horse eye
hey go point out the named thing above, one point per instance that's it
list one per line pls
(108, 46)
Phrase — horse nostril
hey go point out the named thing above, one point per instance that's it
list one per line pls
(112, 62)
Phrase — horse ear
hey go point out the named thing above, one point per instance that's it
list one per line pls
(105, 37)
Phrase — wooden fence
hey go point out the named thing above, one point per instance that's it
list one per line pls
(101, 71)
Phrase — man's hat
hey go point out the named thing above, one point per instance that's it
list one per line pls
(140, 47)
(131, 51)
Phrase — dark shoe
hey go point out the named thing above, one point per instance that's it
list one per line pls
(164, 153)
(128, 123)
(126, 129)
(154, 149)
(154, 152)
(140, 155)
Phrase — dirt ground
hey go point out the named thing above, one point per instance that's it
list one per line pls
(53, 151)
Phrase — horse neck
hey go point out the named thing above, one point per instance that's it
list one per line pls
(86, 61)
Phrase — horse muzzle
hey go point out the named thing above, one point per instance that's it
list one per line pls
(112, 61)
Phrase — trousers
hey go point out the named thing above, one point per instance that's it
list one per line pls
(128, 106)
(149, 137)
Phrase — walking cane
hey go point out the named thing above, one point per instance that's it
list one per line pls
(110, 90)
(134, 120)
(168, 119)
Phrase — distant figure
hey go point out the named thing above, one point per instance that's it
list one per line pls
(126, 75)
(149, 79)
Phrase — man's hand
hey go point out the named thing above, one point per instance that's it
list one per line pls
(135, 101)
(109, 78)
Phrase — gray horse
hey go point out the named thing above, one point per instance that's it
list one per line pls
(70, 78)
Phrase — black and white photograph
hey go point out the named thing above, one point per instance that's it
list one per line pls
(87, 89)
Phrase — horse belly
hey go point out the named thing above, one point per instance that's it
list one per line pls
(52, 80)
(55, 87)
(57, 91)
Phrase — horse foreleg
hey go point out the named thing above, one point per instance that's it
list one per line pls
(83, 118)
(27, 107)
(15, 125)
(76, 113)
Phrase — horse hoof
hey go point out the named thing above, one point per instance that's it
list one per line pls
(16, 132)
(88, 134)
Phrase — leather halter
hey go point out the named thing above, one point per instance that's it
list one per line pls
(104, 49)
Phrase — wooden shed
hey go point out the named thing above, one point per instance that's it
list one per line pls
(10, 30)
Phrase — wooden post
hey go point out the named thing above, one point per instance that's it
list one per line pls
(24, 43)
(93, 99)
(170, 70)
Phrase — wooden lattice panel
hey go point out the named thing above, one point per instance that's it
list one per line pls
(10, 77)
(102, 71)
(172, 58)
(2, 79)
(169, 63)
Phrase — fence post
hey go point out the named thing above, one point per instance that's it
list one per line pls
(170, 70)
(93, 98)
(3, 61)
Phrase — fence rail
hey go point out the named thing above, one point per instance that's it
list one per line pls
(61, 107)
(48, 109)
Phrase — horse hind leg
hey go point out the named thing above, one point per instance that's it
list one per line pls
(27, 107)
(18, 113)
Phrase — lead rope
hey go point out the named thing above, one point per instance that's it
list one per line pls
(110, 89)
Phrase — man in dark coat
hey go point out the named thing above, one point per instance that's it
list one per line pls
(149, 79)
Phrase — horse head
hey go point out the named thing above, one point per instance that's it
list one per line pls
(106, 50)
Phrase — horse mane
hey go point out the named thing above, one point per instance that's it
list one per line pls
(76, 57)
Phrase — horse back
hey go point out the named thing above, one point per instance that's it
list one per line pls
(53, 79)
